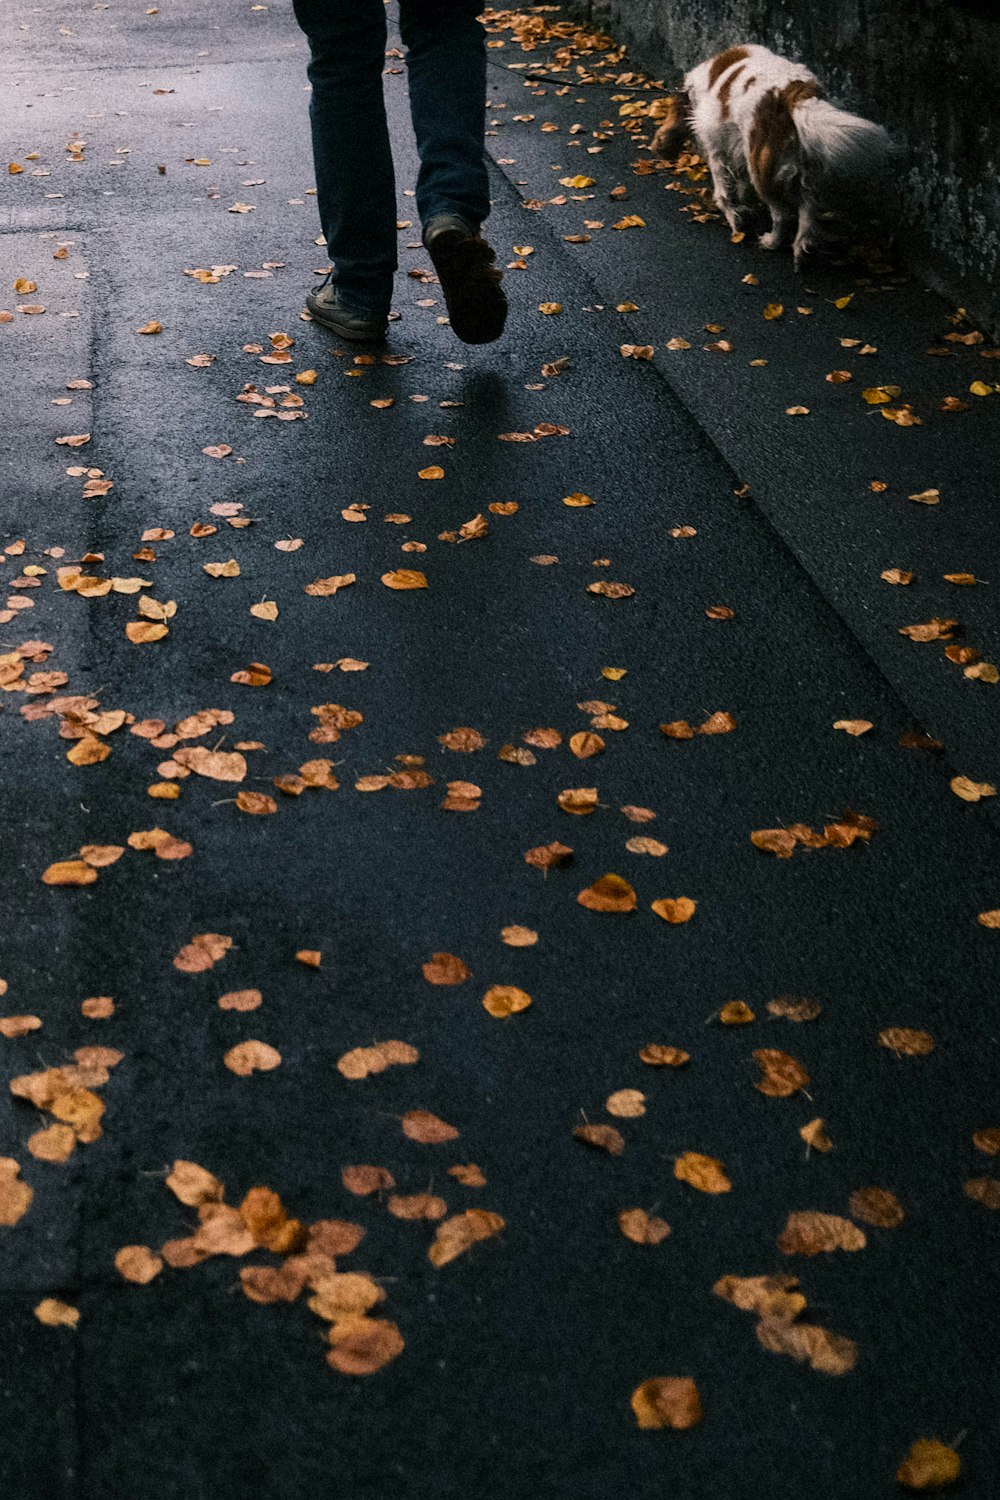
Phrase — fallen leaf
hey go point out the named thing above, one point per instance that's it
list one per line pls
(362, 1346)
(503, 1000)
(877, 1206)
(929, 1465)
(139, 1264)
(736, 1013)
(602, 1137)
(853, 726)
(416, 1206)
(814, 1133)
(906, 1042)
(56, 1314)
(706, 1173)
(445, 968)
(827, 1353)
(552, 856)
(674, 909)
(772, 1297)
(204, 950)
(15, 1196)
(193, 1185)
(405, 578)
(364, 1181)
(984, 1190)
(323, 588)
(69, 872)
(241, 1000)
(642, 1228)
(627, 1104)
(659, 1055)
(810, 1233)
(608, 894)
(251, 1057)
(420, 1125)
(667, 1401)
(216, 765)
(461, 1232)
(783, 1074)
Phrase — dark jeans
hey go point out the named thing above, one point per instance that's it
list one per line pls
(446, 63)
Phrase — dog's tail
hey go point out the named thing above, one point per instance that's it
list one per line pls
(674, 127)
(836, 143)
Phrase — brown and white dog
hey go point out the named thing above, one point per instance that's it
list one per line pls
(769, 136)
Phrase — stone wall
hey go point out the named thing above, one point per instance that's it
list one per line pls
(927, 69)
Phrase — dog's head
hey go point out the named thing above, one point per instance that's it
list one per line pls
(674, 127)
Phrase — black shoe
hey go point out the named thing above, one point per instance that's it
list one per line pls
(327, 308)
(464, 262)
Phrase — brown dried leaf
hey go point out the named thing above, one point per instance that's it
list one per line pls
(365, 1180)
(929, 1465)
(459, 1233)
(322, 588)
(505, 1000)
(736, 1013)
(251, 1057)
(906, 1042)
(667, 1401)
(826, 1352)
(15, 1196)
(814, 1134)
(362, 1346)
(627, 1104)
(420, 1125)
(659, 1055)
(877, 1206)
(674, 909)
(139, 1264)
(602, 1137)
(771, 1297)
(56, 1314)
(610, 893)
(642, 1228)
(445, 968)
(984, 1190)
(405, 578)
(416, 1206)
(69, 872)
(549, 856)
(811, 1233)
(706, 1173)
(54, 1144)
(265, 1217)
(784, 1075)
(216, 765)
(203, 951)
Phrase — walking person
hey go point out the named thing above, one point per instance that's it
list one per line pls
(446, 64)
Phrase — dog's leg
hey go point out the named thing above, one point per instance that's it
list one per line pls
(782, 226)
(726, 190)
(806, 234)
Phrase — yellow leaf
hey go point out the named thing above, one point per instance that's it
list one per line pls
(151, 327)
(434, 471)
(141, 632)
(550, 308)
(773, 310)
(56, 1314)
(405, 578)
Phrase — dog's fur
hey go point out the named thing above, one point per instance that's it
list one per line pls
(770, 137)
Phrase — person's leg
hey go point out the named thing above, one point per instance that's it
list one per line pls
(446, 65)
(354, 174)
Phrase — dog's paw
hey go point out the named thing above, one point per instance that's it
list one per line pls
(802, 251)
(770, 241)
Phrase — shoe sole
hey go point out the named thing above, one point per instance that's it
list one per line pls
(477, 307)
(374, 335)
